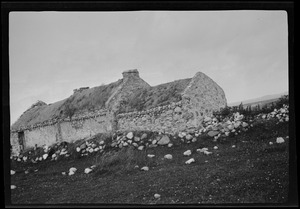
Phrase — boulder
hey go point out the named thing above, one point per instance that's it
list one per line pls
(187, 153)
(83, 146)
(157, 196)
(145, 168)
(137, 139)
(154, 141)
(164, 140)
(45, 156)
(13, 187)
(87, 170)
(129, 135)
(150, 155)
(168, 156)
(213, 133)
(12, 172)
(190, 161)
(188, 137)
(140, 147)
(279, 140)
(78, 149)
(144, 136)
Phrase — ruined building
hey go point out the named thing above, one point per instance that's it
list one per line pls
(127, 104)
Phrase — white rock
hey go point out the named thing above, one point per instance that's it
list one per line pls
(187, 153)
(202, 150)
(168, 156)
(244, 124)
(140, 147)
(26, 172)
(71, 173)
(129, 141)
(207, 152)
(164, 140)
(91, 150)
(150, 155)
(125, 144)
(78, 149)
(41, 158)
(13, 187)
(215, 147)
(12, 172)
(45, 156)
(101, 142)
(135, 144)
(279, 140)
(72, 169)
(157, 195)
(87, 170)
(93, 166)
(53, 156)
(233, 146)
(25, 158)
(188, 137)
(270, 143)
(145, 168)
(227, 133)
(170, 145)
(129, 135)
(63, 173)
(96, 149)
(154, 141)
(194, 139)
(18, 159)
(190, 161)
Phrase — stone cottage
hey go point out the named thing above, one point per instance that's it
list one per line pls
(127, 104)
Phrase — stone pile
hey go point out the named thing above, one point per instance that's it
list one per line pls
(88, 147)
(140, 142)
(282, 114)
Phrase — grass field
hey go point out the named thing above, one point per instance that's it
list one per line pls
(252, 172)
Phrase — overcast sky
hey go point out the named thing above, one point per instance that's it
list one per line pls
(52, 53)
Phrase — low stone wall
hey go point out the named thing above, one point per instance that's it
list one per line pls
(78, 127)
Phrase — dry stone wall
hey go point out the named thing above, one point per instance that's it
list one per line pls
(80, 126)
(170, 118)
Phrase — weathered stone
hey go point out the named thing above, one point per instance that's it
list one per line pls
(188, 137)
(145, 168)
(135, 144)
(83, 146)
(190, 161)
(129, 135)
(168, 156)
(164, 140)
(187, 153)
(213, 133)
(144, 136)
(136, 139)
(140, 147)
(279, 140)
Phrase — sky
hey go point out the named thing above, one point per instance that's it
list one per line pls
(52, 53)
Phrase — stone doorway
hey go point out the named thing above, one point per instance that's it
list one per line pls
(21, 140)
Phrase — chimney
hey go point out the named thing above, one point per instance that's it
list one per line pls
(131, 74)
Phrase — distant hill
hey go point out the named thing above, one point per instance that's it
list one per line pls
(264, 99)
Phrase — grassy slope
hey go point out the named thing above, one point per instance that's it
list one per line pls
(253, 172)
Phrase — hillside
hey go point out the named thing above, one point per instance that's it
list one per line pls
(251, 171)
(264, 99)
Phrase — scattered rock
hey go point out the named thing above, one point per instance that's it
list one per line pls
(63, 173)
(144, 136)
(187, 153)
(87, 170)
(157, 196)
(13, 187)
(233, 146)
(279, 140)
(170, 145)
(215, 147)
(207, 152)
(136, 139)
(168, 156)
(213, 133)
(83, 146)
(202, 150)
(194, 139)
(154, 141)
(140, 147)
(164, 140)
(145, 168)
(78, 149)
(12, 172)
(135, 144)
(72, 169)
(188, 137)
(190, 161)
(270, 143)
(150, 155)
(129, 135)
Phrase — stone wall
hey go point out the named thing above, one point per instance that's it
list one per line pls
(170, 118)
(80, 126)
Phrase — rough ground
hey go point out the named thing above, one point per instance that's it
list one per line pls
(252, 172)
